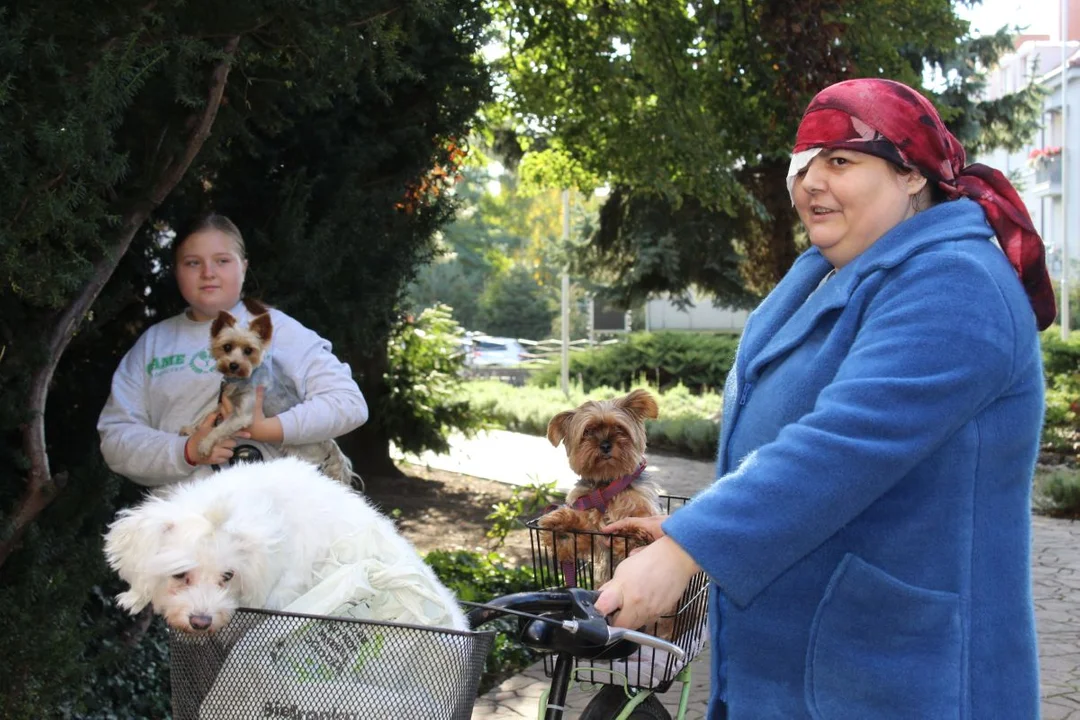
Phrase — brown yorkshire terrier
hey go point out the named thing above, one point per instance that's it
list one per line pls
(605, 442)
(239, 352)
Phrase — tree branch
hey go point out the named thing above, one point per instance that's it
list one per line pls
(41, 485)
(372, 18)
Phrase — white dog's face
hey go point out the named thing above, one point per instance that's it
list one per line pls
(195, 569)
(199, 599)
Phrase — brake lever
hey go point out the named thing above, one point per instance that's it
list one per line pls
(593, 627)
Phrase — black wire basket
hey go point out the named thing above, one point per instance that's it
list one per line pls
(586, 560)
(267, 664)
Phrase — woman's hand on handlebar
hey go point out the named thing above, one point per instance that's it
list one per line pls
(647, 584)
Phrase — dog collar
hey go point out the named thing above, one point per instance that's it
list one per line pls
(599, 499)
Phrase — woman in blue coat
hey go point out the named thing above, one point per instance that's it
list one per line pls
(868, 534)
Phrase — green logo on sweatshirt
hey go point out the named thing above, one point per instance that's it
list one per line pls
(201, 362)
(163, 364)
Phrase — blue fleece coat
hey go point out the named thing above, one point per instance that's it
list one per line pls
(868, 535)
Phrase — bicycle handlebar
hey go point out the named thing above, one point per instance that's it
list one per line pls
(568, 621)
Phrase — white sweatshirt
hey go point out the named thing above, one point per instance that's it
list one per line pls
(169, 380)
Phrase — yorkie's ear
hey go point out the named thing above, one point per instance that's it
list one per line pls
(558, 426)
(262, 327)
(640, 403)
(222, 321)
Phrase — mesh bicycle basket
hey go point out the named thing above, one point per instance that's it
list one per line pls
(267, 664)
(587, 560)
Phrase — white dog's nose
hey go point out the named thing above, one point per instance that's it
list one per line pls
(200, 622)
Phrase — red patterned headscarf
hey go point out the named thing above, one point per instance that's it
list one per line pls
(890, 120)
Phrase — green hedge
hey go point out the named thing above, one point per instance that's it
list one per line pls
(1057, 491)
(1061, 363)
(688, 423)
(693, 365)
(700, 361)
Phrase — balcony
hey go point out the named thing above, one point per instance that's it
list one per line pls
(1048, 176)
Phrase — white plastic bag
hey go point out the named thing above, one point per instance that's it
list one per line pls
(319, 669)
(373, 590)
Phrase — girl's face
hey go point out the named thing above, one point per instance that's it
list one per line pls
(847, 200)
(210, 273)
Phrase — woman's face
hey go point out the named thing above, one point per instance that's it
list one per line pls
(210, 273)
(848, 199)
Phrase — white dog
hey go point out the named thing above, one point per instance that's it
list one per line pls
(263, 535)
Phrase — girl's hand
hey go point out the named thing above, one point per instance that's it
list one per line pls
(262, 428)
(222, 452)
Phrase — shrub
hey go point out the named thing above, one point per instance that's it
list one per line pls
(1060, 356)
(423, 403)
(525, 501)
(127, 671)
(700, 361)
(1058, 493)
(479, 577)
(1061, 364)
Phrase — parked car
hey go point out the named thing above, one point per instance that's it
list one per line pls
(488, 351)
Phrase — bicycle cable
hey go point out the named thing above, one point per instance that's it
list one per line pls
(568, 624)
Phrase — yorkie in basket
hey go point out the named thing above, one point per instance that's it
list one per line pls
(605, 443)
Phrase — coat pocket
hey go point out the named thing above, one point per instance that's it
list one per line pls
(880, 648)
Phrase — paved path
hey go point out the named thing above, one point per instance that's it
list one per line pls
(522, 459)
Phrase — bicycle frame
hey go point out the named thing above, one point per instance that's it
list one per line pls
(561, 680)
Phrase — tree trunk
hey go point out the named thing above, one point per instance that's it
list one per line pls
(770, 242)
(781, 228)
(369, 445)
(41, 485)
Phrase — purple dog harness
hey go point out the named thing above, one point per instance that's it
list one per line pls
(597, 499)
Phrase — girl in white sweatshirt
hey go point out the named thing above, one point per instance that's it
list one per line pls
(169, 380)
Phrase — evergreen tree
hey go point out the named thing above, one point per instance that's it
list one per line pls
(317, 123)
(515, 305)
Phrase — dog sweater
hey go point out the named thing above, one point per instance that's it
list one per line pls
(169, 379)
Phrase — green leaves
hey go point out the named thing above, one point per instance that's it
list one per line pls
(675, 103)
(553, 167)
(332, 110)
(480, 577)
(424, 401)
(526, 502)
